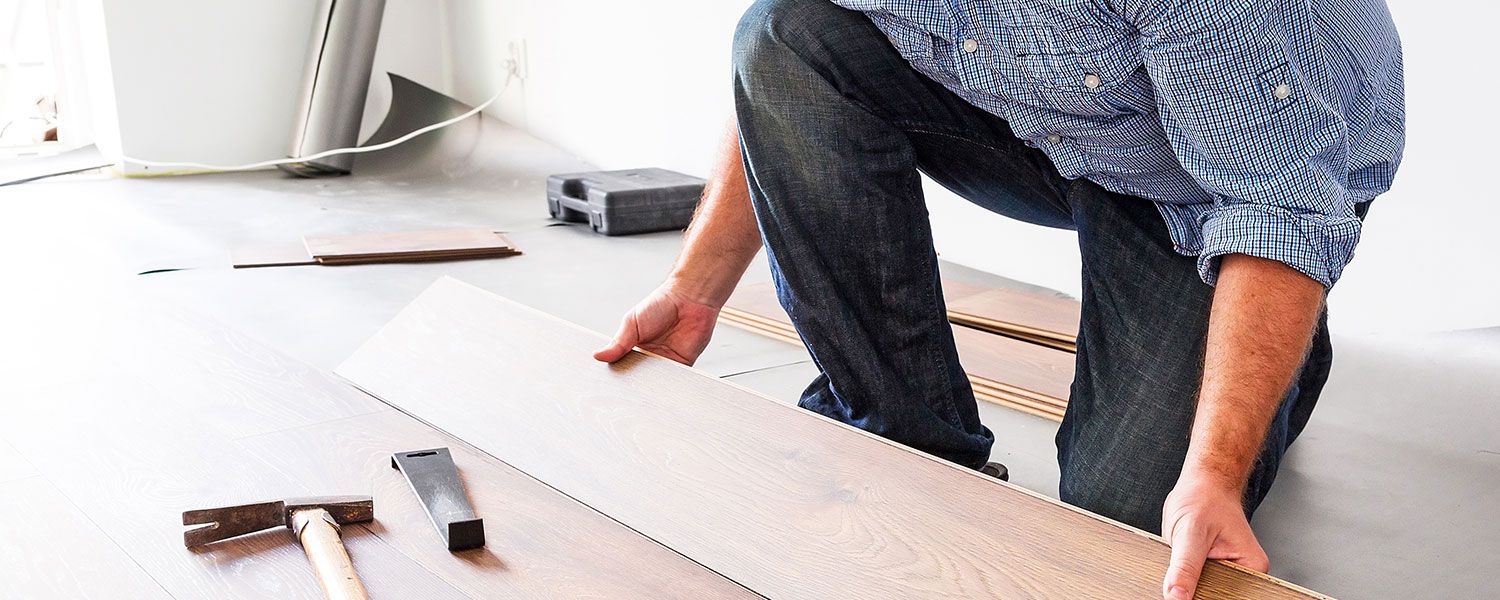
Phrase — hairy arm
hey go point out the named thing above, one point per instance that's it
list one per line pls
(1261, 323)
(724, 235)
(677, 320)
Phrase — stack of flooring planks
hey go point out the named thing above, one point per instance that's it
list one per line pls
(385, 247)
(1040, 319)
(1024, 376)
(784, 502)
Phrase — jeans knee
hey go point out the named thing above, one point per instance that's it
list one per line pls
(1131, 498)
(770, 26)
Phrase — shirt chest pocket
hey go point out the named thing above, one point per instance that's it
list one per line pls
(1085, 70)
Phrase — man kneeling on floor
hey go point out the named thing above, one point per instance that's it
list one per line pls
(1214, 156)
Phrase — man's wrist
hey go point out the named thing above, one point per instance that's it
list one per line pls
(1203, 472)
(708, 287)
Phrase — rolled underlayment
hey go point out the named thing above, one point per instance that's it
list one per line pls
(335, 85)
(1016, 374)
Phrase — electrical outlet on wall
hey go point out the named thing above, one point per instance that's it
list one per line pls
(515, 61)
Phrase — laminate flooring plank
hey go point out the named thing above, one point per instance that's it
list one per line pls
(539, 543)
(1045, 372)
(131, 460)
(1048, 316)
(233, 383)
(781, 500)
(49, 549)
(406, 243)
(989, 391)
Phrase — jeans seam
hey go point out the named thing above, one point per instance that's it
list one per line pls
(939, 356)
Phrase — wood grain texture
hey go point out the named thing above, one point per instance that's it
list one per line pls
(134, 445)
(224, 380)
(1048, 320)
(49, 549)
(538, 542)
(783, 501)
(126, 454)
(984, 389)
(1023, 376)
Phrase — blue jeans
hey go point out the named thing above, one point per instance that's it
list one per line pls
(834, 127)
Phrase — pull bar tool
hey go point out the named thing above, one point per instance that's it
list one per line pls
(434, 478)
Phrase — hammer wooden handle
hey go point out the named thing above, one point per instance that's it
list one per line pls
(319, 535)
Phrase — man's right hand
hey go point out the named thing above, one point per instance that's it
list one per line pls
(678, 318)
(665, 323)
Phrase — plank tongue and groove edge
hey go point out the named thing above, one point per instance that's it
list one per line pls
(785, 502)
(1009, 372)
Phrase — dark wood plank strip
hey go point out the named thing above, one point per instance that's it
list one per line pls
(51, 550)
(783, 501)
(539, 543)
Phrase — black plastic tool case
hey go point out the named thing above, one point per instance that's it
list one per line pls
(625, 202)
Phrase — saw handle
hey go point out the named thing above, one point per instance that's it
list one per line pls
(319, 535)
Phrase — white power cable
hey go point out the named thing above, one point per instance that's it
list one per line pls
(327, 153)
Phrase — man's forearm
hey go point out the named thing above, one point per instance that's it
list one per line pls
(723, 237)
(1259, 329)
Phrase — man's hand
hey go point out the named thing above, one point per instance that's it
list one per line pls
(1204, 521)
(677, 319)
(665, 323)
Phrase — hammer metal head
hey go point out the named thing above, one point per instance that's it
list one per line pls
(234, 521)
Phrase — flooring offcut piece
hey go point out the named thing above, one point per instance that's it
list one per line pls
(781, 500)
(1015, 374)
(408, 245)
(371, 248)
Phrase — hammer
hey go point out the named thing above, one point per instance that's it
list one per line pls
(314, 521)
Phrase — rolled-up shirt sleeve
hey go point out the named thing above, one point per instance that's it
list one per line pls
(1252, 116)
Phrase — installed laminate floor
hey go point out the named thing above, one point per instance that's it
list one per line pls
(1398, 467)
(791, 505)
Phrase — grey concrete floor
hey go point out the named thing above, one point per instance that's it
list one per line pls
(1391, 492)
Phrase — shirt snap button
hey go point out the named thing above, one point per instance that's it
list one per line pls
(1091, 81)
(1054, 138)
(1282, 91)
(970, 45)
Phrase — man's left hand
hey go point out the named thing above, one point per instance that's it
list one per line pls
(1202, 521)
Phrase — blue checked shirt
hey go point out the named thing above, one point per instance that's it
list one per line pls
(1255, 126)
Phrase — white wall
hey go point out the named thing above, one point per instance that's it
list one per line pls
(628, 84)
(218, 81)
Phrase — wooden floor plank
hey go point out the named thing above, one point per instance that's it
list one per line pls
(136, 444)
(781, 500)
(127, 456)
(539, 543)
(237, 385)
(1044, 374)
(49, 549)
(984, 389)
(1006, 310)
